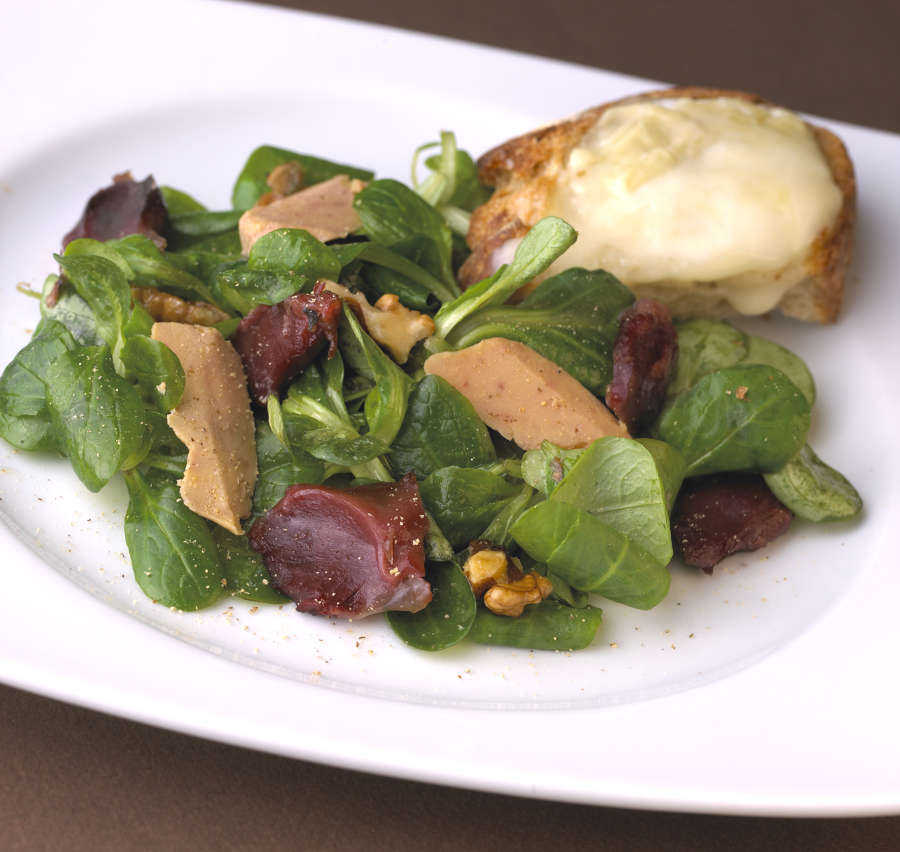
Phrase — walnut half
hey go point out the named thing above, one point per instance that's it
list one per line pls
(485, 568)
(500, 580)
(512, 598)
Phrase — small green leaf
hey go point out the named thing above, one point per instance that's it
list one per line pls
(812, 490)
(739, 418)
(386, 403)
(464, 501)
(178, 202)
(173, 554)
(545, 467)
(70, 310)
(98, 416)
(280, 467)
(762, 351)
(547, 626)
(441, 429)
(499, 530)
(543, 244)
(449, 616)
(104, 286)
(571, 319)
(343, 451)
(294, 250)
(590, 555)
(705, 346)
(151, 268)
(396, 217)
(245, 574)
(156, 369)
(138, 322)
(25, 420)
(617, 481)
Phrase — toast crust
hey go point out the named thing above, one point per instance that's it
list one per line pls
(523, 172)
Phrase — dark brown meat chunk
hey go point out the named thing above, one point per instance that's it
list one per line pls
(124, 207)
(715, 516)
(276, 342)
(347, 553)
(644, 358)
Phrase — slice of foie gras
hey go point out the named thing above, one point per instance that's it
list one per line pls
(325, 210)
(215, 423)
(524, 396)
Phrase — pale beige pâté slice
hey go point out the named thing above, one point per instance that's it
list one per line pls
(215, 423)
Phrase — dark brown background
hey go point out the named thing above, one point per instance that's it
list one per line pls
(74, 779)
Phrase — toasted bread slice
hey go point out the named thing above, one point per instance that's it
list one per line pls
(524, 171)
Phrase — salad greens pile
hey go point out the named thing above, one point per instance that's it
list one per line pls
(93, 386)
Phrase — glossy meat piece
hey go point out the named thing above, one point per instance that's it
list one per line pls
(644, 359)
(347, 553)
(715, 516)
(276, 342)
(124, 207)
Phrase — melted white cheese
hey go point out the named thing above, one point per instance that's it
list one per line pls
(710, 190)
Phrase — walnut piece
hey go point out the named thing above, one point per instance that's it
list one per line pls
(511, 598)
(286, 179)
(486, 568)
(393, 325)
(164, 307)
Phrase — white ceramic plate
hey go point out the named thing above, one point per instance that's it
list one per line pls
(768, 688)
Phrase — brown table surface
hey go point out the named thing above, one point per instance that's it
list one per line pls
(75, 779)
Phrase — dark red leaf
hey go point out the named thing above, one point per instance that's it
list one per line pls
(124, 207)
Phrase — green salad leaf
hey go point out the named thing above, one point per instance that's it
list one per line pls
(704, 346)
(243, 569)
(464, 500)
(97, 416)
(173, 553)
(396, 217)
(440, 429)
(411, 282)
(25, 420)
(762, 351)
(571, 319)
(104, 287)
(156, 370)
(280, 466)
(617, 481)
(547, 626)
(739, 418)
(386, 402)
(281, 263)
(543, 244)
(449, 616)
(545, 467)
(499, 530)
(151, 268)
(812, 490)
(591, 555)
(707, 345)
(71, 311)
